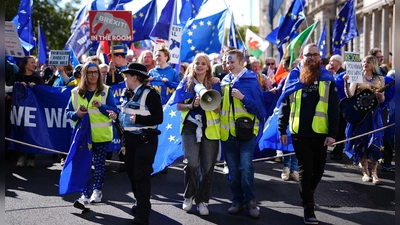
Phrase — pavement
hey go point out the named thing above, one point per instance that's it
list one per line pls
(31, 197)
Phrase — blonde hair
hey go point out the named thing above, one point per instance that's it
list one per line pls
(191, 73)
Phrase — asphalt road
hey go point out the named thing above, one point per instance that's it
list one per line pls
(31, 197)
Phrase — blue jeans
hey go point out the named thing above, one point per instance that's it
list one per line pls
(290, 162)
(239, 156)
(201, 158)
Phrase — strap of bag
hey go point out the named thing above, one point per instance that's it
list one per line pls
(233, 105)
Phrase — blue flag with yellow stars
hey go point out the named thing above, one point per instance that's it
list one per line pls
(23, 23)
(233, 35)
(169, 141)
(205, 33)
(293, 19)
(44, 49)
(345, 27)
(322, 43)
(189, 10)
(76, 173)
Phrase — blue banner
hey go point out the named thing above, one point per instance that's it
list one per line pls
(38, 118)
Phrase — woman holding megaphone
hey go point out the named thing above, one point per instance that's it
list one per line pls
(200, 130)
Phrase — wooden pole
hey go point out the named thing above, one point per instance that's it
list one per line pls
(112, 56)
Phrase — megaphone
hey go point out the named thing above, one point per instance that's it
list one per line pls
(209, 99)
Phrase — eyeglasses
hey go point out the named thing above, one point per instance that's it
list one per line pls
(269, 64)
(379, 57)
(92, 73)
(309, 55)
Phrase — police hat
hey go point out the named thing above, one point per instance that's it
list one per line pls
(136, 69)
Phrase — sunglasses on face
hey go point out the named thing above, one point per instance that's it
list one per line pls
(269, 64)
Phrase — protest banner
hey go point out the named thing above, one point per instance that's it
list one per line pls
(12, 42)
(59, 58)
(110, 25)
(353, 67)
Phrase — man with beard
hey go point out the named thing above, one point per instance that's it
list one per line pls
(310, 104)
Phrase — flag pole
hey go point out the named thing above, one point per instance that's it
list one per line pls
(112, 56)
(38, 46)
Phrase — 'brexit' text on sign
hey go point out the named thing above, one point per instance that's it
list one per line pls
(110, 25)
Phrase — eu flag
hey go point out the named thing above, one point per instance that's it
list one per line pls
(143, 17)
(44, 49)
(345, 27)
(273, 8)
(161, 29)
(205, 33)
(80, 16)
(169, 144)
(322, 43)
(189, 10)
(233, 35)
(76, 173)
(294, 17)
(23, 23)
(79, 41)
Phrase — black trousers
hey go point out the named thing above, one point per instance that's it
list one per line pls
(338, 150)
(139, 158)
(311, 156)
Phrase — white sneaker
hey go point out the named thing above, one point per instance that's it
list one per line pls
(96, 196)
(31, 163)
(21, 161)
(294, 176)
(81, 202)
(226, 169)
(187, 204)
(285, 173)
(202, 208)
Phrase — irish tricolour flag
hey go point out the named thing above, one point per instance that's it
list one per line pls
(255, 44)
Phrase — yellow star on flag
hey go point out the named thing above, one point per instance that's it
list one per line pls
(209, 23)
(172, 113)
(190, 33)
(189, 41)
(171, 138)
(192, 48)
(194, 26)
(201, 23)
(134, 16)
(141, 14)
(169, 126)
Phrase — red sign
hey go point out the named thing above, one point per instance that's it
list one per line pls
(110, 25)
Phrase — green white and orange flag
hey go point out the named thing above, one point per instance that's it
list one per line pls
(255, 45)
(293, 49)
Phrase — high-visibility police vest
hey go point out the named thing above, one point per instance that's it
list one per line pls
(137, 107)
(227, 120)
(101, 125)
(212, 128)
(320, 121)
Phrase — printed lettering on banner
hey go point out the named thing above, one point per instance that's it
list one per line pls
(353, 67)
(110, 25)
(59, 58)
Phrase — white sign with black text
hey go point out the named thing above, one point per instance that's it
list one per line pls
(59, 58)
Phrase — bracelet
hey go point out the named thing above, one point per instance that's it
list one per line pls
(187, 107)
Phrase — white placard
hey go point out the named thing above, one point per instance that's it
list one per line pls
(175, 37)
(12, 42)
(353, 67)
(59, 58)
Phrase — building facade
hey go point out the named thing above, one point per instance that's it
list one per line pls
(375, 24)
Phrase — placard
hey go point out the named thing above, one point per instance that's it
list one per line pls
(59, 58)
(353, 67)
(175, 36)
(12, 42)
(110, 25)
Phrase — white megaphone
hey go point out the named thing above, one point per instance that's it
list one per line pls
(209, 99)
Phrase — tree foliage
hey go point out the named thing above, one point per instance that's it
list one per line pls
(55, 19)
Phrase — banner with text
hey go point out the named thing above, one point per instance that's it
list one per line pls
(353, 67)
(110, 25)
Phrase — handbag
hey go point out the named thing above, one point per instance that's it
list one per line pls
(244, 126)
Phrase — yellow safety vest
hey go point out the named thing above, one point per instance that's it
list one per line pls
(227, 120)
(212, 127)
(101, 125)
(320, 121)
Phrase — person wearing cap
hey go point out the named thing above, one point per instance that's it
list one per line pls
(94, 98)
(163, 76)
(77, 76)
(141, 112)
(117, 64)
